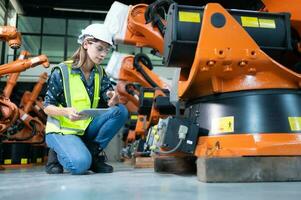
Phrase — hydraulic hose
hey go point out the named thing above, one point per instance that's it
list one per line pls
(147, 62)
(152, 14)
(130, 88)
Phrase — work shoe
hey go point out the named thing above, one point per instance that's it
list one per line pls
(98, 159)
(98, 164)
(53, 166)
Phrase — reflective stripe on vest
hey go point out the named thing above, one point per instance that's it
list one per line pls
(76, 96)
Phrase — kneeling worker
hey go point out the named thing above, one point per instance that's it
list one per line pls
(77, 144)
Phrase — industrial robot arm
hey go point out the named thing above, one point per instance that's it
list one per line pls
(139, 25)
(30, 101)
(224, 51)
(34, 128)
(11, 35)
(21, 65)
(13, 77)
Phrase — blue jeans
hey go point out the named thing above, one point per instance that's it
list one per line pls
(72, 152)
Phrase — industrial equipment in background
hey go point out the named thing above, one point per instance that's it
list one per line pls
(21, 135)
(239, 84)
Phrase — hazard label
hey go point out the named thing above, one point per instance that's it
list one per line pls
(222, 125)
(295, 123)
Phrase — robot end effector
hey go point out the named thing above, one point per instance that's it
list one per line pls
(11, 35)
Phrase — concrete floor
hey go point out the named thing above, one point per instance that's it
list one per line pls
(135, 184)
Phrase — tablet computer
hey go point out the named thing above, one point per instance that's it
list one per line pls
(93, 112)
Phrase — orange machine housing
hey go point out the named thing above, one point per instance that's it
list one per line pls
(231, 61)
(141, 34)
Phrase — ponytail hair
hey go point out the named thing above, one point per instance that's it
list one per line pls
(79, 57)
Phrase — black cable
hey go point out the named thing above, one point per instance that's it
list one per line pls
(152, 14)
(147, 62)
(18, 127)
(33, 126)
(130, 88)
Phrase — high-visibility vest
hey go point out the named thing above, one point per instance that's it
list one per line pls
(76, 96)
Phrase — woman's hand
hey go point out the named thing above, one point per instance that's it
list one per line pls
(114, 98)
(72, 114)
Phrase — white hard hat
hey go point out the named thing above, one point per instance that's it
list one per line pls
(97, 31)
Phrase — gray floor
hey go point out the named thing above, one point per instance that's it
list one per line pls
(134, 184)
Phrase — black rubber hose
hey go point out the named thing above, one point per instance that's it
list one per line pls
(33, 126)
(144, 59)
(152, 14)
(130, 88)
(147, 62)
(157, 21)
(18, 127)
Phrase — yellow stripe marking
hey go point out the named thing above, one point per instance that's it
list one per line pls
(189, 17)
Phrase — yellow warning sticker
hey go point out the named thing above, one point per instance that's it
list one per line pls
(134, 117)
(148, 95)
(295, 123)
(249, 21)
(39, 160)
(267, 23)
(189, 17)
(23, 161)
(7, 161)
(222, 125)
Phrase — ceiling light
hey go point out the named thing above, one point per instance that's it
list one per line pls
(81, 10)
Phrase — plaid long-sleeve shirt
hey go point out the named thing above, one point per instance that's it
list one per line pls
(55, 89)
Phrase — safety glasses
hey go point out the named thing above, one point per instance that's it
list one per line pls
(101, 48)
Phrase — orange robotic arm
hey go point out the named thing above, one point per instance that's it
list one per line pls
(9, 114)
(9, 111)
(12, 79)
(11, 35)
(226, 58)
(138, 70)
(33, 132)
(134, 69)
(21, 65)
(219, 64)
(139, 25)
(30, 100)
